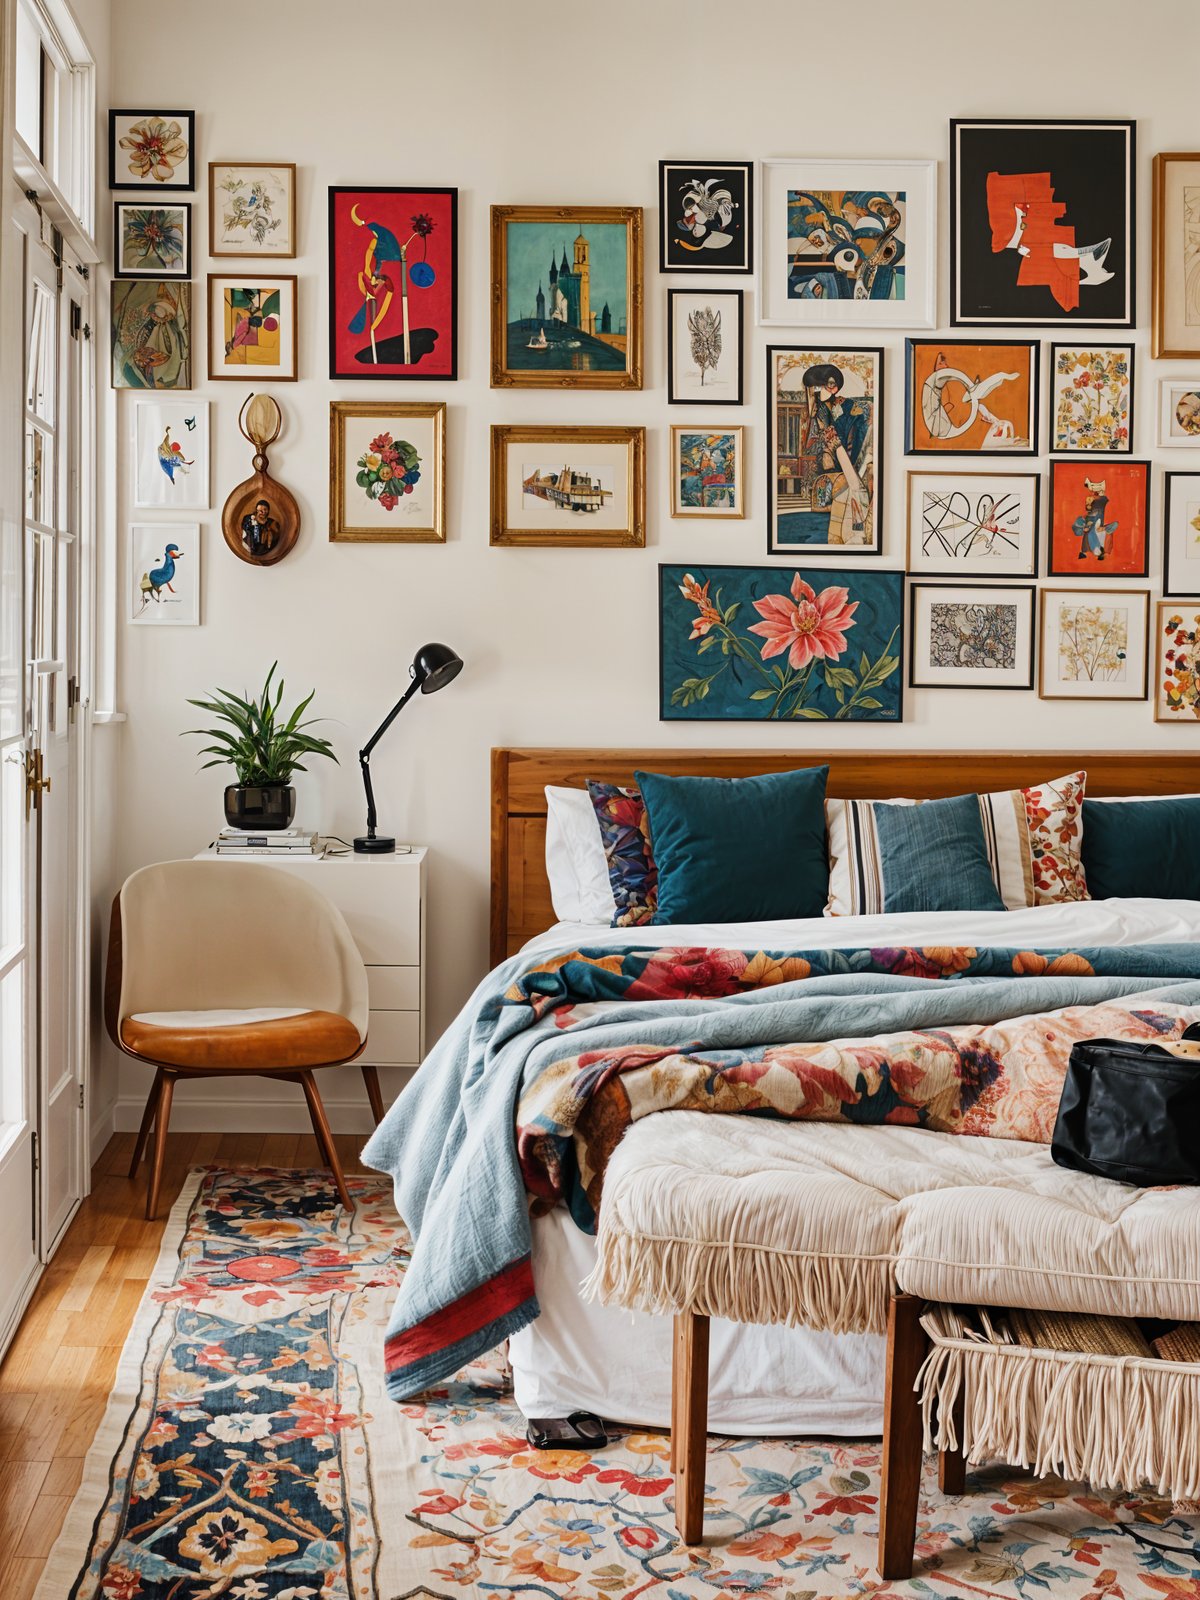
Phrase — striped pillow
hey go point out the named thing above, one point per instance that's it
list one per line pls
(1033, 839)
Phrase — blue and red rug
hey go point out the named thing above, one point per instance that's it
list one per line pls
(248, 1451)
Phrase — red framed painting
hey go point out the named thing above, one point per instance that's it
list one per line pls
(393, 283)
(1099, 519)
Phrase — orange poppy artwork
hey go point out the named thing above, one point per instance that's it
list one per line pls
(967, 397)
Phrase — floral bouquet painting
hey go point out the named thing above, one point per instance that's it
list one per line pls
(1178, 695)
(744, 643)
(1093, 399)
(388, 469)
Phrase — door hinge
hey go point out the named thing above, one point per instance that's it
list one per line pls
(83, 270)
(76, 319)
(73, 696)
(37, 1153)
(81, 1097)
(35, 783)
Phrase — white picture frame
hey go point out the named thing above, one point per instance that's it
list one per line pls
(171, 455)
(971, 636)
(1181, 535)
(784, 302)
(164, 574)
(1174, 434)
(973, 524)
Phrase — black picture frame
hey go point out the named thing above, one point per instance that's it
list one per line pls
(188, 118)
(674, 255)
(1085, 158)
(674, 399)
(992, 590)
(1051, 410)
(911, 448)
(147, 202)
(1168, 593)
(1101, 464)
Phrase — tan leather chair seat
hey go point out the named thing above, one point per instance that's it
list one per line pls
(232, 1039)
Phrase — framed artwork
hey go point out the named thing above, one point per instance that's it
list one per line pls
(1176, 681)
(1099, 519)
(970, 636)
(252, 208)
(252, 328)
(151, 331)
(1091, 399)
(1179, 413)
(164, 574)
(1181, 533)
(824, 450)
(848, 244)
(973, 524)
(780, 644)
(971, 397)
(707, 472)
(387, 471)
(152, 241)
(1175, 289)
(568, 486)
(393, 283)
(1041, 222)
(170, 455)
(706, 216)
(567, 297)
(151, 149)
(705, 350)
(1094, 644)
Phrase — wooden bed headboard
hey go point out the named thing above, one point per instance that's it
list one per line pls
(521, 891)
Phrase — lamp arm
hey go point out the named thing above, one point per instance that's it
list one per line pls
(364, 755)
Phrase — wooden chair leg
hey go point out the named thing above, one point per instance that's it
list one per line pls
(689, 1423)
(902, 1442)
(371, 1079)
(139, 1149)
(324, 1136)
(952, 1464)
(162, 1119)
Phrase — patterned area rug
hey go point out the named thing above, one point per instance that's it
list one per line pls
(248, 1452)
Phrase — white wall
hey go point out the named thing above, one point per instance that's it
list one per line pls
(524, 102)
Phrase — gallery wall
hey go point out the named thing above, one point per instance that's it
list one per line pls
(528, 104)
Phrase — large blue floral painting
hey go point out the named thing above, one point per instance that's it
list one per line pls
(740, 644)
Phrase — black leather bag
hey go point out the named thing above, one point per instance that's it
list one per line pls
(1132, 1111)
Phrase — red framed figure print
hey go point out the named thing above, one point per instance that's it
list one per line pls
(1099, 519)
(393, 283)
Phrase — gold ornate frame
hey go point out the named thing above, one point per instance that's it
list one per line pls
(341, 530)
(630, 537)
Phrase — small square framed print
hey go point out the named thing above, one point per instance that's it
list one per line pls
(705, 352)
(708, 477)
(971, 636)
(706, 216)
(1176, 680)
(252, 208)
(1094, 644)
(1181, 533)
(151, 150)
(973, 524)
(1091, 399)
(252, 328)
(1179, 413)
(1099, 519)
(152, 240)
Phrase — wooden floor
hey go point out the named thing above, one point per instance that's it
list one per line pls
(56, 1378)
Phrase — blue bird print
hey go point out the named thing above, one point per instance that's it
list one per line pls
(159, 578)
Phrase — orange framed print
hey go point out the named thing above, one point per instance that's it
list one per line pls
(1099, 519)
(971, 397)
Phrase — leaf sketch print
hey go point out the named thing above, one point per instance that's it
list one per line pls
(704, 325)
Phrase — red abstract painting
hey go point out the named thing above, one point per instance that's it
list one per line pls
(1099, 519)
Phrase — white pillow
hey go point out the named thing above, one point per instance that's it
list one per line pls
(580, 889)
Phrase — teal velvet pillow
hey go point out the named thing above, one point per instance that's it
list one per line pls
(738, 849)
(1135, 848)
(934, 858)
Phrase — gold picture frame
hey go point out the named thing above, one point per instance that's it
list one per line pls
(411, 483)
(547, 332)
(1096, 652)
(718, 495)
(1168, 313)
(250, 231)
(563, 480)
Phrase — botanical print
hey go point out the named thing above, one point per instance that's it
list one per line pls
(973, 636)
(150, 148)
(393, 283)
(1176, 221)
(1099, 518)
(1190, 250)
(1094, 644)
(1092, 398)
(387, 471)
(704, 347)
(705, 216)
(152, 241)
(824, 446)
(567, 307)
(164, 573)
(972, 398)
(251, 209)
(984, 524)
(845, 244)
(151, 335)
(745, 643)
(569, 488)
(1181, 530)
(707, 472)
(1177, 684)
(171, 454)
(1179, 412)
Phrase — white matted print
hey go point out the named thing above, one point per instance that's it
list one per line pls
(848, 244)
(971, 636)
(705, 359)
(973, 524)
(170, 455)
(1094, 644)
(1181, 533)
(387, 470)
(252, 208)
(164, 574)
(568, 486)
(252, 324)
(1179, 412)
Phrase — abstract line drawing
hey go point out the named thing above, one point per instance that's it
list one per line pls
(963, 526)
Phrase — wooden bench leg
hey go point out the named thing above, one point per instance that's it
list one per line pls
(689, 1423)
(902, 1442)
(952, 1464)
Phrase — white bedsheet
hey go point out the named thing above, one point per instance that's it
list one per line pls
(763, 1380)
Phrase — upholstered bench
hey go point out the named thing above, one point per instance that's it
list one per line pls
(880, 1229)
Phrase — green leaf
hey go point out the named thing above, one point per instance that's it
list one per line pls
(763, 694)
(864, 666)
(732, 611)
(810, 712)
(868, 703)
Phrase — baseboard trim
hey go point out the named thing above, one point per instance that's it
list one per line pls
(103, 1128)
(240, 1115)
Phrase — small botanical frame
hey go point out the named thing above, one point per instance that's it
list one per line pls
(164, 574)
(705, 347)
(708, 472)
(568, 486)
(1176, 679)
(973, 524)
(252, 208)
(152, 240)
(1181, 533)
(1091, 399)
(1179, 413)
(971, 397)
(170, 454)
(971, 636)
(1094, 644)
(253, 324)
(1175, 298)
(706, 216)
(151, 149)
(387, 471)
(1099, 519)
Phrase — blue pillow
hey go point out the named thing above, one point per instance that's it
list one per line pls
(933, 857)
(738, 849)
(1135, 848)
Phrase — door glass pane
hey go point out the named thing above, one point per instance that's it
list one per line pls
(30, 79)
(39, 389)
(11, 632)
(12, 1047)
(12, 823)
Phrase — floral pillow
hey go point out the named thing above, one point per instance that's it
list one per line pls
(625, 832)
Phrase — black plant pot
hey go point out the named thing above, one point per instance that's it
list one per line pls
(260, 806)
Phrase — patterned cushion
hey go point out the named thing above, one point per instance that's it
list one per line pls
(625, 831)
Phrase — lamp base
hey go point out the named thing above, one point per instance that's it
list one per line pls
(374, 846)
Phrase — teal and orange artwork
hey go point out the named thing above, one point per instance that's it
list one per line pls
(845, 244)
(566, 291)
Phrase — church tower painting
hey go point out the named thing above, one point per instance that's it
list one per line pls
(583, 274)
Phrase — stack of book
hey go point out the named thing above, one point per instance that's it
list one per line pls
(278, 842)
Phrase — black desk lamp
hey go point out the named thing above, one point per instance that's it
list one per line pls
(434, 665)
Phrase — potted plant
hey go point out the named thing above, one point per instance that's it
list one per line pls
(263, 744)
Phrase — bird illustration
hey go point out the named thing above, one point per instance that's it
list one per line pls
(159, 578)
(171, 457)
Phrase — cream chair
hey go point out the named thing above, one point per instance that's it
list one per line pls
(233, 970)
